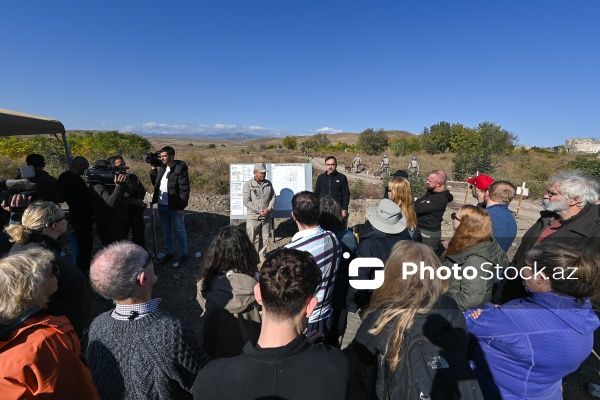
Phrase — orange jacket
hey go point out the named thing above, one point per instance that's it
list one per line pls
(41, 357)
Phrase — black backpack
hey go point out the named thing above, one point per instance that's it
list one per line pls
(434, 368)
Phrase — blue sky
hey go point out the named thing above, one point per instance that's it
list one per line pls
(300, 67)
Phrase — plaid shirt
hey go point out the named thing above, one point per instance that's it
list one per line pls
(131, 312)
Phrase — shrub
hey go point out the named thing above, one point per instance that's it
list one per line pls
(212, 146)
(357, 189)
(290, 142)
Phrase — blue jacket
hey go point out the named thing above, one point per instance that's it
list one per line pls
(525, 347)
(504, 225)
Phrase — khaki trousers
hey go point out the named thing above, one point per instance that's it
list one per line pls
(259, 233)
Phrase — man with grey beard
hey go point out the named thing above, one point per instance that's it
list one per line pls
(571, 215)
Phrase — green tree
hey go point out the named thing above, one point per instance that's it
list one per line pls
(436, 139)
(318, 141)
(495, 139)
(464, 139)
(290, 142)
(373, 142)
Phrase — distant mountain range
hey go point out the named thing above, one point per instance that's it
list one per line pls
(237, 137)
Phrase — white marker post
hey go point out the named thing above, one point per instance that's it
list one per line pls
(521, 191)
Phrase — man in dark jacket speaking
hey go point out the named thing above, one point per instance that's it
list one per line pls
(171, 192)
(334, 184)
(431, 207)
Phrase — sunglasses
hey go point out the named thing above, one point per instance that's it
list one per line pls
(454, 217)
(55, 270)
(65, 216)
(551, 193)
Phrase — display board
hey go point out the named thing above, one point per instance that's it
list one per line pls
(287, 179)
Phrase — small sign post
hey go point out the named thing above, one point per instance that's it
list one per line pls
(521, 191)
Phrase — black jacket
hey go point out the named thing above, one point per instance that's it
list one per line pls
(334, 185)
(298, 370)
(69, 299)
(367, 349)
(430, 209)
(47, 187)
(178, 185)
(582, 230)
(374, 244)
(77, 196)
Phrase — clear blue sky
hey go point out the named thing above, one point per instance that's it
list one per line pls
(300, 67)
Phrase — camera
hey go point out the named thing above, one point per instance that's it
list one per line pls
(10, 187)
(104, 173)
(154, 159)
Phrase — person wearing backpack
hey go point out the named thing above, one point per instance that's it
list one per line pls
(414, 334)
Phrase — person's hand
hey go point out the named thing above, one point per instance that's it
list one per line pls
(120, 179)
(444, 244)
(475, 314)
(18, 203)
(264, 212)
(344, 213)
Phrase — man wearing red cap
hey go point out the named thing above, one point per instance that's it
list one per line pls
(479, 186)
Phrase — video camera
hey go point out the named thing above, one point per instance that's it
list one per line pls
(10, 187)
(154, 159)
(104, 173)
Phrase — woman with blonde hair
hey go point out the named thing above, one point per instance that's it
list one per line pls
(39, 353)
(400, 192)
(476, 253)
(42, 224)
(411, 304)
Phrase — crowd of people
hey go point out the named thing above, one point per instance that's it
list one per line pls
(437, 319)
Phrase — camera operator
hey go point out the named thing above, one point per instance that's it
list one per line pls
(77, 196)
(46, 185)
(110, 205)
(136, 193)
(171, 192)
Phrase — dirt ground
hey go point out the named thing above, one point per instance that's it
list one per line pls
(207, 213)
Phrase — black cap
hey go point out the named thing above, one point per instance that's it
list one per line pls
(400, 174)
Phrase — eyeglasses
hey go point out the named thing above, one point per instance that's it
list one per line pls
(454, 217)
(551, 193)
(55, 270)
(151, 259)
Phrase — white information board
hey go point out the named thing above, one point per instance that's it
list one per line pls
(287, 179)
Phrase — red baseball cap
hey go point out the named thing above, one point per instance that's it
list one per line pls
(482, 182)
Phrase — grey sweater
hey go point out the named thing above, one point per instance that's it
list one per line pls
(154, 357)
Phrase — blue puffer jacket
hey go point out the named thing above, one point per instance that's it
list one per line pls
(525, 347)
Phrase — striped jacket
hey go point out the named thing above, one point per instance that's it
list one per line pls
(320, 243)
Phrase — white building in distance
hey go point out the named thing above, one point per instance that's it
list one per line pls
(582, 145)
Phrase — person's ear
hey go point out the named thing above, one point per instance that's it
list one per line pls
(257, 294)
(543, 281)
(310, 306)
(293, 216)
(143, 279)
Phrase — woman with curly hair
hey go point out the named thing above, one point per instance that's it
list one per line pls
(226, 294)
(42, 224)
(39, 353)
(474, 251)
